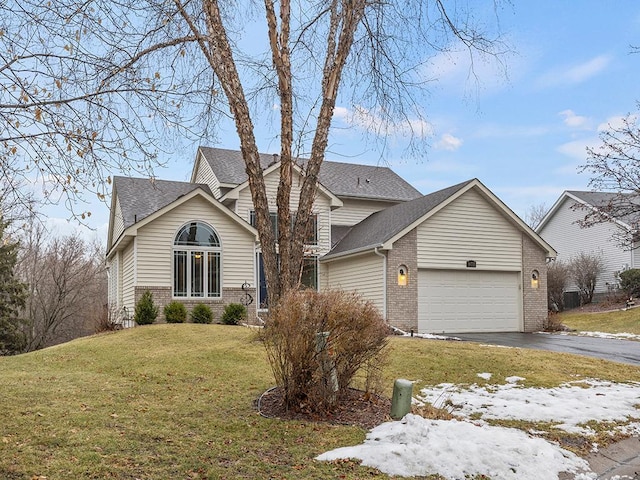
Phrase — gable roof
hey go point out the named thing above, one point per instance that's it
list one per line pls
(342, 179)
(141, 197)
(235, 192)
(382, 228)
(608, 204)
(143, 200)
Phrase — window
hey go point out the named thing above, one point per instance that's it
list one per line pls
(312, 238)
(309, 278)
(274, 221)
(196, 262)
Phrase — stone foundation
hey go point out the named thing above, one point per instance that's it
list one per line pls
(162, 296)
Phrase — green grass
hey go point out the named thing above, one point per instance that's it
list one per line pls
(177, 401)
(620, 321)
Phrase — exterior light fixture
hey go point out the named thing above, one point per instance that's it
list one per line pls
(402, 275)
(535, 276)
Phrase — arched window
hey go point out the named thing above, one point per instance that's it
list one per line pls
(196, 262)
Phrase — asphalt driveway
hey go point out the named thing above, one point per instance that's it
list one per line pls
(624, 351)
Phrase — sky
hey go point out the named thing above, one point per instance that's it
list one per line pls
(522, 130)
(460, 448)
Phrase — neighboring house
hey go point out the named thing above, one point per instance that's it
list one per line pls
(562, 227)
(457, 260)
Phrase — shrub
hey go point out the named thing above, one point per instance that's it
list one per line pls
(175, 312)
(305, 366)
(201, 313)
(585, 269)
(554, 324)
(557, 279)
(233, 314)
(630, 282)
(146, 311)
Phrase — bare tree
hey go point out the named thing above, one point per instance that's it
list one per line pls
(585, 269)
(534, 215)
(67, 287)
(615, 167)
(94, 82)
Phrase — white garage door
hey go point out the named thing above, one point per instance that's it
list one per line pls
(468, 301)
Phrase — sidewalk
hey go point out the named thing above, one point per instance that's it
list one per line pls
(618, 461)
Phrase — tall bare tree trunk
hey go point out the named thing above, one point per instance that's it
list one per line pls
(216, 48)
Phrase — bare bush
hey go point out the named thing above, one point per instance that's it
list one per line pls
(553, 323)
(585, 269)
(313, 373)
(558, 275)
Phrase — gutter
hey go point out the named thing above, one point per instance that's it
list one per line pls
(331, 256)
(384, 280)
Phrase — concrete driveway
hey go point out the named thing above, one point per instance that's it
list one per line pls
(624, 351)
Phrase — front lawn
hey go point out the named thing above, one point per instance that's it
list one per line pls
(618, 321)
(177, 401)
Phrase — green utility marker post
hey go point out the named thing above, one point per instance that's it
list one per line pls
(401, 400)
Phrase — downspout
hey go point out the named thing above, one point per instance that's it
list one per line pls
(384, 280)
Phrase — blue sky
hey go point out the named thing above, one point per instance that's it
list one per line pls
(522, 134)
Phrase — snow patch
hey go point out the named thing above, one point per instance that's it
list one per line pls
(456, 449)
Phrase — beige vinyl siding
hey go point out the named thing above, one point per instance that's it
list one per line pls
(205, 175)
(323, 276)
(469, 229)
(128, 277)
(118, 222)
(363, 274)
(321, 206)
(354, 211)
(564, 234)
(155, 245)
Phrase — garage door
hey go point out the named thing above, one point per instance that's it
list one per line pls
(468, 301)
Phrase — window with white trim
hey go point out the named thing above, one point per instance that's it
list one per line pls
(311, 238)
(197, 262)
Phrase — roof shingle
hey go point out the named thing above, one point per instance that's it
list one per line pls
(381, 226)
(342, 179)
(141, 197)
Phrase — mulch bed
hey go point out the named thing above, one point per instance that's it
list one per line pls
(354, 408)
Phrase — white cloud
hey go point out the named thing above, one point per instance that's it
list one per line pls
(457, 67)
(617, 122)
(572, 120)
(341, 113)
(577, 149)
(374, 122)
(448, 142)
(572, 75)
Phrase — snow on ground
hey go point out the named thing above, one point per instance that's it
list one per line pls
(569, 404)
(619, 336)
(456, 448)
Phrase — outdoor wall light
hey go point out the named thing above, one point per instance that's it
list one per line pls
(402, 275)
(535, 279)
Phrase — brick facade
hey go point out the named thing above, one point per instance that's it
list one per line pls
(162, 296)
(534, 300)
(402, 300)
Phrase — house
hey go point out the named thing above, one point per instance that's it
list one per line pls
(456, 260)
(563, 227)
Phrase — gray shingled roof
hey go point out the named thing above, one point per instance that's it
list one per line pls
(342, 179)
(622, 206)
(381, 226)
(141, 197)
